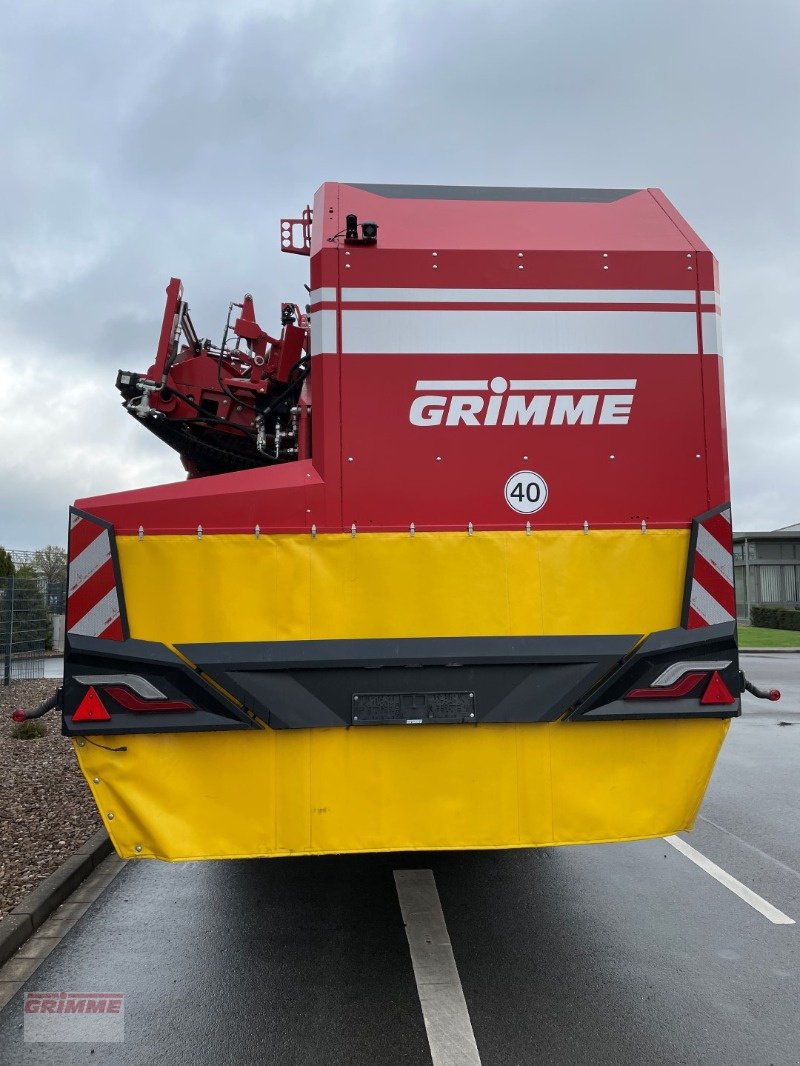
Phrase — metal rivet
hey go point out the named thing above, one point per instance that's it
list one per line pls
(472, 694)
(605, 267)
(258, 531)
(349, 458)
(525, 458)
(527, 529)
(353, 530)
(434, 253)
(586, 526)
(347, 266)
(199, 532)
(141, 532)
(138, 847)
(469, 529)
(438, 458)
(96, 780)
(355, 717)
(520, 267)
(471, 714)
(412, 529)
(520, 255)
(689, 268)
(612, 457)
(111, 816)
(688, 255)
(347, 253)
(697, 457)
(313, 530)
(644, 526)
(435, 266)
(355, 697)
(605, 255)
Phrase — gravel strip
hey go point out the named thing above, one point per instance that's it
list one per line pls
(46, 809)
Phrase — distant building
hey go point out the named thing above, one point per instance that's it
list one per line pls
(767, 569)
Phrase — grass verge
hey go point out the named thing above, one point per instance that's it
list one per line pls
(755, 637)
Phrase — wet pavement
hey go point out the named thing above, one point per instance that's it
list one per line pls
(618, 954)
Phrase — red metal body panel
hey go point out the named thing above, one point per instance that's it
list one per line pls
(605, 307)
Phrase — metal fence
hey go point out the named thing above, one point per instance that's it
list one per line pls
(27, 606)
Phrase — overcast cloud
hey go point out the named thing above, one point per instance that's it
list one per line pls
(148, 139)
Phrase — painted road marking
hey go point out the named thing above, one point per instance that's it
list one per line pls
(441, 997)
(742, 891)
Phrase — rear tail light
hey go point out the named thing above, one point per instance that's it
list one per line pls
(673, 692)
(131, 702)
(682, 678)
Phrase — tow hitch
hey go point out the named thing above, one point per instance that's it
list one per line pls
(762, 693)
(40, 709)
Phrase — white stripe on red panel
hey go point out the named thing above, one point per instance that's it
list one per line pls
(715, 554)
(712, 335)
(89, 561)
(328, 294)
(707, 607)
(520, 296)
(99, 618)
(323, 332)
(386, 332)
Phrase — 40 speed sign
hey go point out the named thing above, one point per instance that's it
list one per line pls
(526, 492)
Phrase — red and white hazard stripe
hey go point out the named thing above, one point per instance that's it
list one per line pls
(93, 601)
(711, 593)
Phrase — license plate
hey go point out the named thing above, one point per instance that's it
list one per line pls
(412, 708)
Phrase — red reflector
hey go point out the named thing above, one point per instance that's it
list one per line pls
(717, 691)
(131, 702)
(91, 709)
(18, 716)
(680, 688)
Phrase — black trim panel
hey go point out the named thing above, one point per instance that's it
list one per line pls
(308, 684)
(659, 651)
(156, 664)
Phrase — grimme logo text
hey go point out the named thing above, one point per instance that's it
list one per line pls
(546, 402)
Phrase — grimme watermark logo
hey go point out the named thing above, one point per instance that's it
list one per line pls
(74, 1017)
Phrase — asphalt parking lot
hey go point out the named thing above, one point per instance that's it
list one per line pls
(628, 953)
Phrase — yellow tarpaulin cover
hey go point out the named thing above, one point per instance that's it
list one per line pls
(270, 792)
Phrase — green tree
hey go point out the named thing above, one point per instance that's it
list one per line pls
(6, 564)
(51, 562)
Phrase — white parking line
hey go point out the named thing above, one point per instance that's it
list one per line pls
(441, 997)
(742, 891)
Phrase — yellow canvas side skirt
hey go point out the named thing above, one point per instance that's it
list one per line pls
(378, 788)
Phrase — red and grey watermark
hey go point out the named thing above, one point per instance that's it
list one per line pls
(74, 1017)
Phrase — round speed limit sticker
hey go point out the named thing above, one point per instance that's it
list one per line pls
(526, 492)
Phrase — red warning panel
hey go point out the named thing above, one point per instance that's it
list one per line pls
(95, 606)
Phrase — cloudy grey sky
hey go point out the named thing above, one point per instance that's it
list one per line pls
(147, 139)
